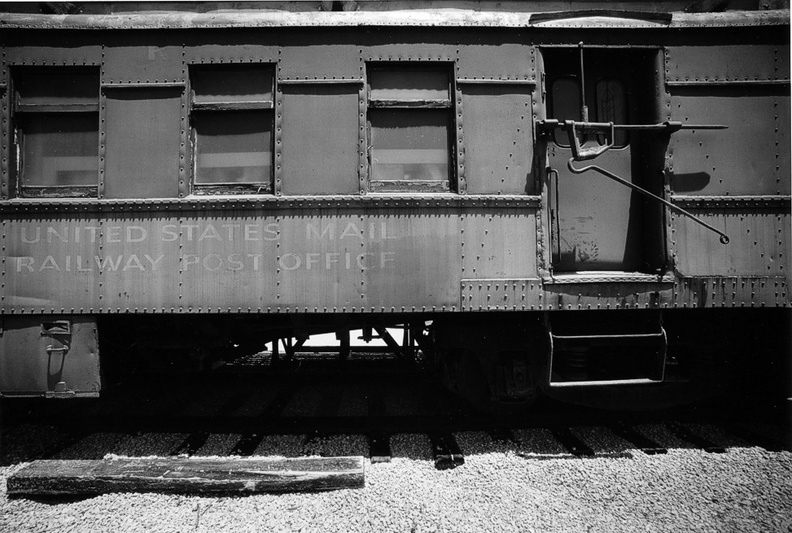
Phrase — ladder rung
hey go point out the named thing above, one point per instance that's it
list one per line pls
(608, 337)
(602, 383)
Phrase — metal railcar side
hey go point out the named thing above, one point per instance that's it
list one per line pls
(363, 172)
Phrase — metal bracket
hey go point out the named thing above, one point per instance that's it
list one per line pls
(56, 327)
(59, 331)
(607, 129)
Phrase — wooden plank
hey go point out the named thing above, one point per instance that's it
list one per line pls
(187, 475)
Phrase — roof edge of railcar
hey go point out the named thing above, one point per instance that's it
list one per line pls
(409, 18)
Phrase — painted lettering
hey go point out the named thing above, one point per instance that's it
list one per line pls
(251, 232)
(312, 231)
(24, 262)
(52, 232)
(210, 233)
(170, 233)
(136, 234)
(114, 234)
(28, 240)
(190, 230)
(351, 230)
(290, 261)
(107, 263)
(154, 261)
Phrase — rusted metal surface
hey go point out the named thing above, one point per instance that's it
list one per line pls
(53, 355)
(324, 117)
(726, 64)
(714, 163)
(142, 157)
(143, 58)
(759, 241)
(224, 47)
(63, 265)
(422, 18)
(30, 51)
(446, 201)
(500, 121)
(533, 294)
(386, 258)
(596, 227)
(732, 291)
(479, 58)
(311, 59)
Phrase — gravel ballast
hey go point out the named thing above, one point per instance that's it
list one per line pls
(498, 489)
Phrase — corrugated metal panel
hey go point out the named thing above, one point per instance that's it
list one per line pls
(483, 58)
(326, 119)
(51, 264)
(725, 63)
(759, 244)
(144, 142)
(499, 144)
(740, 160)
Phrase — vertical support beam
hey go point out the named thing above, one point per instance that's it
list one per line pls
(344, 349)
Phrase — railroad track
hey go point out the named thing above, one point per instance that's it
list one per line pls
(372, 414)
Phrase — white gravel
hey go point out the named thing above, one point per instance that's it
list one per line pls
(498, 489)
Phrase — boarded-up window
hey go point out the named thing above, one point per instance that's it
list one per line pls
(143, 138)
(56, 117)
(232, 123)
(410, 120)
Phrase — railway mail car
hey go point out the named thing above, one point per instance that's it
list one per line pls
(591, 204)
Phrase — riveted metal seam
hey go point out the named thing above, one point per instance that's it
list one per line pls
(102, 128)
(457, 112)
(5, 126)
(277, 186)
(186, 167)
(181, 264)
(363, 168)
(342, 202)
(3, 254)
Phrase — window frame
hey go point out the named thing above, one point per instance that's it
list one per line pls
(406, 104)
(21, 110)
(219, 106)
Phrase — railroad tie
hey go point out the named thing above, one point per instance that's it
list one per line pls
(379, 447)
(446, 451)
(572, 443)
(641, 441)
(685, 433)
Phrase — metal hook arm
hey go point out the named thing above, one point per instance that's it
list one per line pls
(724, 239)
